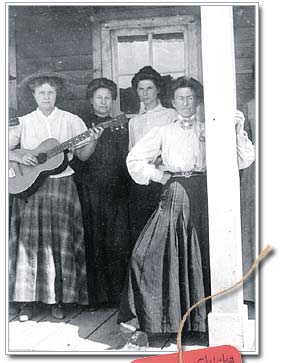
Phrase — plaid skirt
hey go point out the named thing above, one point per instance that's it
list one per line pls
(167, 271)
(46, 246)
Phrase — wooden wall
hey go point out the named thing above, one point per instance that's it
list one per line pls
(244, 32)
(61, 37)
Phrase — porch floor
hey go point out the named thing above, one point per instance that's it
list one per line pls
(80, 331)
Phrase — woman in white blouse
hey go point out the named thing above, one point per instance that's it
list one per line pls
(46, 244)
(169, 268)
(143, 199)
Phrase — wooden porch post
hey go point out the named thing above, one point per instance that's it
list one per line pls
(228, 319)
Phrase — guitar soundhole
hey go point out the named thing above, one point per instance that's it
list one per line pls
(41, 158)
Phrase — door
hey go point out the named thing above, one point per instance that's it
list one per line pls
(171, 45)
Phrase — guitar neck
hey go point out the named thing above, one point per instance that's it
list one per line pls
(79, 138)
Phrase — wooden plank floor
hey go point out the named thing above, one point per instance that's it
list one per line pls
(79, 331)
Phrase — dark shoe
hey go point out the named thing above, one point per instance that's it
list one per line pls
(26, 312)
(140, 339)
(133, 336)
(90, 308)
(57, 311)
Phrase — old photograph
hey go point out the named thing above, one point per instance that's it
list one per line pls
(132, 147)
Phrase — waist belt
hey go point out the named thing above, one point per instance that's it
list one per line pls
(187, 174)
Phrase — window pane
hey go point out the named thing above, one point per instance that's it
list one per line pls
(125, 81)
(133, 53)
(129, 101)
(168, 53)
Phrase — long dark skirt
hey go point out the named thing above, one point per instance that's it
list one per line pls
(46, 246)
(143, 200)
(168, 269)
(108, 250)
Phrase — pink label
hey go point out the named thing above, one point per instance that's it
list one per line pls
(220, 354)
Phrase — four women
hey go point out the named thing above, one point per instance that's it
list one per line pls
(169, 268)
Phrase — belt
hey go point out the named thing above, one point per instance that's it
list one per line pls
(187, 174)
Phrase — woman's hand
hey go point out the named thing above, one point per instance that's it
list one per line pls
(95, 132)
(239, 121)
(28, 159)
(165, 178)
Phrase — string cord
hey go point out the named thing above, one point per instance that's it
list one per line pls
(261, 256)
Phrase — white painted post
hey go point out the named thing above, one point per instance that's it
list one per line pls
(228, 319)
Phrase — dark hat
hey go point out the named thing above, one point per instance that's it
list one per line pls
(101, 83)
(146, 73)
(64, 81)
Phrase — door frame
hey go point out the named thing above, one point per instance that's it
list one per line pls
(104, 50)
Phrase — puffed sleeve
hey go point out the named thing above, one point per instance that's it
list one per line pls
(245, 149)
(78, 127)
(141, 158)
(15, 135)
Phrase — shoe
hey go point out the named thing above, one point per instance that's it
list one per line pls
(26, 312)
(127, 329)
(57, 311)
(140, 339)
(90, 308)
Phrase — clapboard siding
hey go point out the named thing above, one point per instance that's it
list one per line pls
(61, 37)
(74, 63)
(244, 37)
(245, 81)
(244, 16)
(57, 48)
(106, 13)
(244, 50)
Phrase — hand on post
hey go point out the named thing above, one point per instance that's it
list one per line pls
(239, 121)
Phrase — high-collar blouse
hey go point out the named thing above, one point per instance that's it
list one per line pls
(145, 121)
(180, 149)
(35, 127)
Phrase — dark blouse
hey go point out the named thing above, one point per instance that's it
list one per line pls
(106, 168)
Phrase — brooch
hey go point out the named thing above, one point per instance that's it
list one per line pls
(186, 124)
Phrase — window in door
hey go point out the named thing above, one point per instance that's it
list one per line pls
(172, 50)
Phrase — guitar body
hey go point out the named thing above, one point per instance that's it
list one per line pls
(26, 179)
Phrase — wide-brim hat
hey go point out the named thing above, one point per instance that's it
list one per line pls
(66, 81)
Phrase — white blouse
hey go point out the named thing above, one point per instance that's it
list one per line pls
(180, 149)
(35, 127)
(145, 121)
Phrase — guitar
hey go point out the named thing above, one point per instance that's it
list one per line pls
(24, 180)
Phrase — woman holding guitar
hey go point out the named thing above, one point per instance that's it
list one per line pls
(103, 188)
(46, 247)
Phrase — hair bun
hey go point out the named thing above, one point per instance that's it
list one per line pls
(147, 73)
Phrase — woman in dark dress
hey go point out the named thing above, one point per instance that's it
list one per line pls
(103, 188)
(169, 268)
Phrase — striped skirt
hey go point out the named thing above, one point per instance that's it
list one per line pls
(46, 246)
(168, 269)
